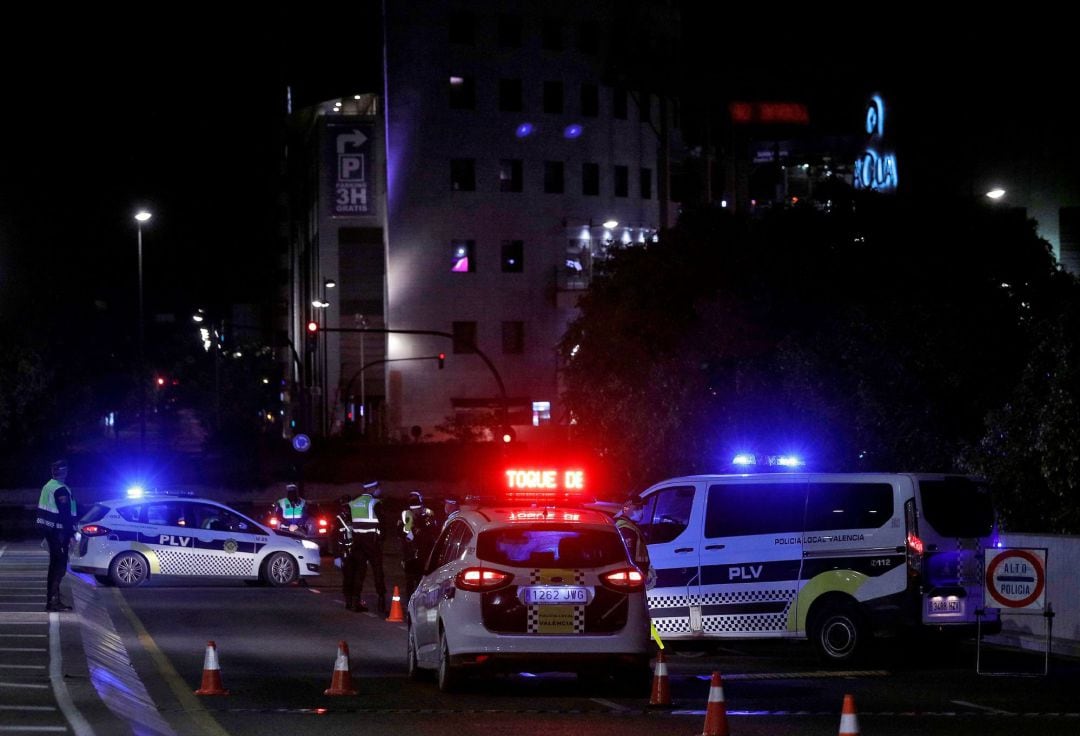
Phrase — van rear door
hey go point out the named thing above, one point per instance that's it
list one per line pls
(957, 525)
(670, 521)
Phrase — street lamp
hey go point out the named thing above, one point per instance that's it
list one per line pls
(995, 194)
(140, 217)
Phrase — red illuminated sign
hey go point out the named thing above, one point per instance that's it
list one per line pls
(546, 479)
(545, 515)
(791, 113)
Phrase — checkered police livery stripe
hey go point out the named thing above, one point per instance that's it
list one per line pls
(742, 616)
(533, 624)
(187, 563)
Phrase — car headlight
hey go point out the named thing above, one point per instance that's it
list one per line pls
(309, 545)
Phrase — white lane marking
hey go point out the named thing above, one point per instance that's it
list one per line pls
(29, 707)
(29, 685)
(22, 649)
(33, 729)
(23, 666)
(609, 704)
(985, 708)
(75, 719)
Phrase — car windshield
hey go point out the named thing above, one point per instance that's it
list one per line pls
(548, 546)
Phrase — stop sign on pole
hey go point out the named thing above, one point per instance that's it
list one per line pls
(1016, 579)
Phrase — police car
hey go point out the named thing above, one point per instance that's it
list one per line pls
(126, 541)
(515, 585)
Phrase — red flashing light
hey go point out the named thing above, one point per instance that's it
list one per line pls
(273, 521)
(543, 515)
(544, 485)
(624, 580)
(480, 578)
(93, 530)
(323, 522)
(160, 381)
(312, 327)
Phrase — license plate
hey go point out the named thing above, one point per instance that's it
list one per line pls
(946, 605)
(556, 595)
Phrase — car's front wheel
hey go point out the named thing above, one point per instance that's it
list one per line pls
(280, 569)
(129, 569)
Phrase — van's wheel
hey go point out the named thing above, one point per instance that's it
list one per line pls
(129, 569)
(839, 632)
(280, 569)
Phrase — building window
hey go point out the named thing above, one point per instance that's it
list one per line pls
(463, 255)
(553, 177)
(551, 34)
(513, 338)
(645, 107)
(590, 179)
(462, 93)
(622, 181)
(513, 256)
(510, 95)
(541, 412)
(464, 337)
(510, 178)
(588, 40)
(462, 27)
(646, 183)
(618, 103)
(590, 100)
(553, 97)
(510, 31)
(463, 174)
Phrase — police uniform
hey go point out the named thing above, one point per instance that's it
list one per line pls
(292, 511)
(56, 520)
(365, 531)
(417, 527)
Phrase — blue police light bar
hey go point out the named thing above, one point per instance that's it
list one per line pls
(788, 461)
(744, 459)
(135, 492)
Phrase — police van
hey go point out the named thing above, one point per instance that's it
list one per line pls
(836, 558)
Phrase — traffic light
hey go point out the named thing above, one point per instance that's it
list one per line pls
(311, 337)
(442, 360)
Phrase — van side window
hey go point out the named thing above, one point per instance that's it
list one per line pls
(848, 506)
(739, 509)
(670, 514)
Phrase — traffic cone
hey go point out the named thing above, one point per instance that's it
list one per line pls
(849, 722)
(341, 683)
(396, 616)
(661, 692)
(211, 673)
(716, 711)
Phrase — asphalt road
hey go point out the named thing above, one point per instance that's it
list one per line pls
(277, 647)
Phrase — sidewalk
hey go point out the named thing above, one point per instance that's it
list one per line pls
(45, 683)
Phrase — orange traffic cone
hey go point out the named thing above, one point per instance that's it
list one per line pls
(716, 711)
(396, 614)
(849, 722)
(661, 692)
(341, 684)
(211, 673)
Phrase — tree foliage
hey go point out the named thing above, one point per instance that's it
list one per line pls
(884, 335)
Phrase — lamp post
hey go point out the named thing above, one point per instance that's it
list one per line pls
(140, 217)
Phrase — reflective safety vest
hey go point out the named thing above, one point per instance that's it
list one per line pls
(407, 521)
(362, 510)
(289, 511)
(635, 542)
(413, 516)
(48, 514)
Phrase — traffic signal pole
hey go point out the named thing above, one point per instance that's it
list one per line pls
(505, 404)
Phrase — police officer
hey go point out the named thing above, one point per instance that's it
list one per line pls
(636, 544)
(366, 532)
(417, 528)
(292, 509)
(56, 520)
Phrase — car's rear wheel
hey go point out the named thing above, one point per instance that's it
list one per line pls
(280, 569)
(449, 676)
(129, 569)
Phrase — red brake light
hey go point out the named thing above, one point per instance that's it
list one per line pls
(322, 522)
(624, 580)
(273, 521)
(93, 530)
(481, 578)
(914, 544)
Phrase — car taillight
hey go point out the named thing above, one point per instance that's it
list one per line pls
(323, 522)
(915, 549)
(482, 578)
(93, 530)
(624, 580)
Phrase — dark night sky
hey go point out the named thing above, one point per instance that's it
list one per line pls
(104, 110)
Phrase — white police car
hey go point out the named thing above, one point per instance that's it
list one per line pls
(517, 587)
(126, 541)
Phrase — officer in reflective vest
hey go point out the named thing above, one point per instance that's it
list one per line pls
(292, 509)
(636, 543)
(56, 519)
(418, 529)
(365, 515)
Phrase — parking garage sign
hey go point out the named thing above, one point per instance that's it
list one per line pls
(1016, 579)
(348, 151)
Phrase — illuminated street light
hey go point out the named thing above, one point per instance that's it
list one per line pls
(996, 193)
(140, 217)
(611, 224)
(330, 283)
(319, 303)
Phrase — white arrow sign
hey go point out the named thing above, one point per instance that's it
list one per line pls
(356, 138)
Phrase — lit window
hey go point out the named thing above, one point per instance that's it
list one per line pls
(541, 412)
(513, 256)
(463, 256)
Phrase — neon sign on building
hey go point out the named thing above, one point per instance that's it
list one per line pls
(875, 168)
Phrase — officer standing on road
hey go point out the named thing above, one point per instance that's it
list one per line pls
(56, 520)
(636, 544)
(366, 528)
(417, 527)
(292, 509)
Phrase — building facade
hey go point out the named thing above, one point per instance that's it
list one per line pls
(460, 211)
